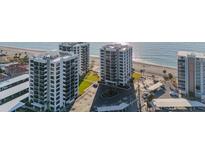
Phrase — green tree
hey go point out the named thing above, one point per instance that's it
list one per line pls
(164, 71)
(1, 70)
(170, 76)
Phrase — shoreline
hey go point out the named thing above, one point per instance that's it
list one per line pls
(13, 50)
(150, 68)
(142, 62)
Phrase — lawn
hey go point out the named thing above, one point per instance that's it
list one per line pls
(83, 85)
(136, 76)
(88, 80)
(92, 76)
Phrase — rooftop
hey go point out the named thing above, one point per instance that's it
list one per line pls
(194, 54)
(13, 80)
(155, 86)
(71, 44)
(13, 90)
(14, 104)
(54, 56)
(12, 70)
(176, 103)
(112, 108)
(116, 47)
(16, 69)
(2, 77)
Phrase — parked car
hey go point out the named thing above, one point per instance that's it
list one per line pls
(95, 85)
(160, 89)
(163, 87)
(176, 90)
(146, 94)
(174, 94)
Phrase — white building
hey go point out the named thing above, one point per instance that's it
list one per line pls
(191, 74)
(174, 104)
(116, 64)
(114, 108)
(13, 91)
(53, 81)
(82, 49)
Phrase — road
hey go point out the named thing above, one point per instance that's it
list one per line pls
(84, 102)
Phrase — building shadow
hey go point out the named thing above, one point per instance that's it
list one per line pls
(115, 99)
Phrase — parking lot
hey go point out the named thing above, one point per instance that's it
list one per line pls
(122, 96)
(163, 92)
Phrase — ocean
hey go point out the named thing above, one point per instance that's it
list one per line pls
(160, 53)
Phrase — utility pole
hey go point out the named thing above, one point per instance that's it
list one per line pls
(139, 98)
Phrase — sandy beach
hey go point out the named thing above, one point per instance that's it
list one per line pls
(94, 60)
(9, 53)
(149, 68)
(12, 51)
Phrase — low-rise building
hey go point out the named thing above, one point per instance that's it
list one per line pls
(176, 104)
(13, 91)
(16, 69)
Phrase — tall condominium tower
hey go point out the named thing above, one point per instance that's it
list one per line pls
(191, 74)
(53, 81)
(82, 49)
(116, 64)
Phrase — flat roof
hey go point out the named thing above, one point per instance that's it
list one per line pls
(71, 44)
(176, 103)
(155, 86)
(112, 108)
(54, 56)
(116, 47)
(13, 80)
(8, 64)
(14, 104)
(188, 53)
(14, 90)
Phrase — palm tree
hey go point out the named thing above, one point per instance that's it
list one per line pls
(1, 71)
(153, 77)
(142, 71)
(165, 75)
(25, 59)
(164, 71)
(170, 75)
(15, 56)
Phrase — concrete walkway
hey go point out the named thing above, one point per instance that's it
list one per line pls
(84, 102)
